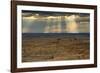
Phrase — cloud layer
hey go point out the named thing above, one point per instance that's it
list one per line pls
(52, 22)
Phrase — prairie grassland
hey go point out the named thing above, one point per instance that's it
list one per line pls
(55, 48)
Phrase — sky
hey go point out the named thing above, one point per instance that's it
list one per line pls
(55, 22)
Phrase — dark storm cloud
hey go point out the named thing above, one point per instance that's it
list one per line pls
(46, 13)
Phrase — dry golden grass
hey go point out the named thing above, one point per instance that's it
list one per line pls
(51, 49)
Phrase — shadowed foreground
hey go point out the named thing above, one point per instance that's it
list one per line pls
(52, 48)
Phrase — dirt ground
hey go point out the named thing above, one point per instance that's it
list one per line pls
(52, 49)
